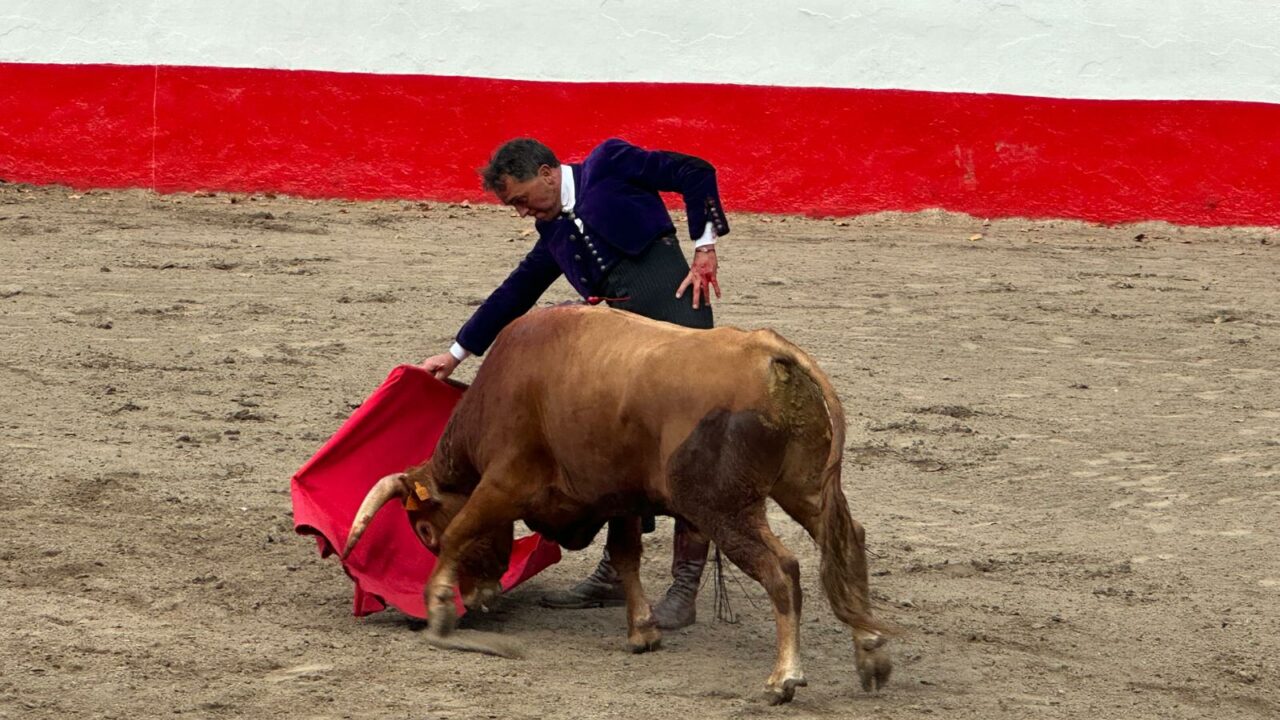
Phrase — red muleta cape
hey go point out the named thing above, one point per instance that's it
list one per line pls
(397, 427)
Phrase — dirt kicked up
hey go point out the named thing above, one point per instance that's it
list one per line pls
(1064, 442)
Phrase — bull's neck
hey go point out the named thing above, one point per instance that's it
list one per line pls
(451, 465)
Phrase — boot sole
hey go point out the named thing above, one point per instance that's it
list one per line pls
(675, 626)
(581, 604)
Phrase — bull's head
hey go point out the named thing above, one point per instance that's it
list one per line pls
(429, 511)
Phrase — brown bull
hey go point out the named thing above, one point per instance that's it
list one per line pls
(585, 416)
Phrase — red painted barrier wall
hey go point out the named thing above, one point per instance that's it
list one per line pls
(809, 150)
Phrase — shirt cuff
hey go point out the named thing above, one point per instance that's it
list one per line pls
(708, 237)
(459, 353)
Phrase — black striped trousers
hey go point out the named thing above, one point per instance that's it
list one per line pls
(649, 281)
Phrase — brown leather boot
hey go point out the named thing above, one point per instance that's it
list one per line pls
(602, 588)
(688, 557)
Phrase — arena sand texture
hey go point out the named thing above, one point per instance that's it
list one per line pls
(1064, 441)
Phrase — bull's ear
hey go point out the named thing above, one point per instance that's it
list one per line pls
(418, 494)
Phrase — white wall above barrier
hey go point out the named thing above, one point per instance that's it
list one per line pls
(1135, 49)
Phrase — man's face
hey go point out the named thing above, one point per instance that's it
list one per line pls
(538, 196)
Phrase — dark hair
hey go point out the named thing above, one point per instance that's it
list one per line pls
(520, 158)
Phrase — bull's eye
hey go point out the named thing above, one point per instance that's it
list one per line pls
(426, 534)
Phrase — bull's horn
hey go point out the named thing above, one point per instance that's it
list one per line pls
(386, 489)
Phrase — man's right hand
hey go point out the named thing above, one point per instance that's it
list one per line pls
(442, 365)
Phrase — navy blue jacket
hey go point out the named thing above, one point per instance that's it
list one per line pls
(617, 199)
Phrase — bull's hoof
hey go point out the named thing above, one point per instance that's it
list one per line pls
(482, 596)
(644, 644)
(874, 665)
(442, 616)
(777, 693)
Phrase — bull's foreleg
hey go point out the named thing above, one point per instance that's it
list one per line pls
(481, 571)
(643, 634)
(484, 512)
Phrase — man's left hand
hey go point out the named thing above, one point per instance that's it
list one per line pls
(702, 276)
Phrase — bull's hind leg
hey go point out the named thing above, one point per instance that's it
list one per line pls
(643, 634)
(843, 569)
(720, 477)
(749, 542)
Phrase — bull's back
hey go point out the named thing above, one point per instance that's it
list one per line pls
(610, 392)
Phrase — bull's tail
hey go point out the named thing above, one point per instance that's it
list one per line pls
(840, 538)
(844, 563)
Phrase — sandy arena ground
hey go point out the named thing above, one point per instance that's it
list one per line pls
(1064, 441)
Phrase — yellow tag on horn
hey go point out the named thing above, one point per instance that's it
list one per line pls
(421, 491)
(411, 503)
